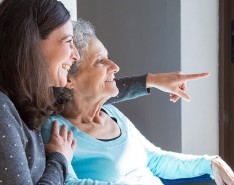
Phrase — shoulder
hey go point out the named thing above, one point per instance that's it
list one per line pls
(47, 126)
(5, 101)
(11, 122)
(111, 110)
(49, 122)
(8, 110)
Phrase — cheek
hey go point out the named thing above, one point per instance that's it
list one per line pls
(59, 55)
(89, 83)
(90, 79)
(97, 79)
(55, 68)
(58, 75)
(53, 61)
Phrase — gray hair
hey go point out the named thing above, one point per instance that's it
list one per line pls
(83, 31)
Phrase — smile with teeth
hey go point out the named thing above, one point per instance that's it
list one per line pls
(66, 66)
(110, 80)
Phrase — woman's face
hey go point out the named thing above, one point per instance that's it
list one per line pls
(60, 53)
(96, 73)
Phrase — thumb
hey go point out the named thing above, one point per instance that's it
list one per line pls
(183, 95)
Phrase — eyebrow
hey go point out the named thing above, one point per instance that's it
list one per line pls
(65, 37)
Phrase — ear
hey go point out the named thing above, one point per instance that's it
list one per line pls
(69, 84)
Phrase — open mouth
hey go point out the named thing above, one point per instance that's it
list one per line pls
(66, 67)
(110, 80)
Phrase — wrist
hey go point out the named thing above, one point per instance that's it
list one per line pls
(152, 80)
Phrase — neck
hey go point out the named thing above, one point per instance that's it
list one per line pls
(84, 111)
(85, 114)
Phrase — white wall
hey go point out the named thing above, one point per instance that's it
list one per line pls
(71, 5)
(199, 52)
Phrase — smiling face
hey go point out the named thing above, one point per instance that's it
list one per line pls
(60, 53)
(96, 73)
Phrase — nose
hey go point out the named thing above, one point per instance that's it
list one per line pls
(75, 54)
(114, 67)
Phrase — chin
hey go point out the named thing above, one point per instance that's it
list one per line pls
(111, 92)
(115, 93)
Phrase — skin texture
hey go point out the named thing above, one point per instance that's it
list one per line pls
(60, 53)
(94, 79)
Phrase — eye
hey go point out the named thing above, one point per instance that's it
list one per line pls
(69, 41)
(100, 62)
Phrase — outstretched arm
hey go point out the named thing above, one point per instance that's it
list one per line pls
(173, 83)
(136, 86)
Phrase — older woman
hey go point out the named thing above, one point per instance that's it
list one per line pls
(110, 148)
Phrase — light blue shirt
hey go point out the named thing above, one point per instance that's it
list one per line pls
(130, 158)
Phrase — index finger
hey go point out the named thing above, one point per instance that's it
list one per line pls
(190, 77)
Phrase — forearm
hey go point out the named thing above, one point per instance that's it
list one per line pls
(14, 168)
(170, 165)
(55, 171)
(129, 88)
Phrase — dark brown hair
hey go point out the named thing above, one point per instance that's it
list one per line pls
(24, 75)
